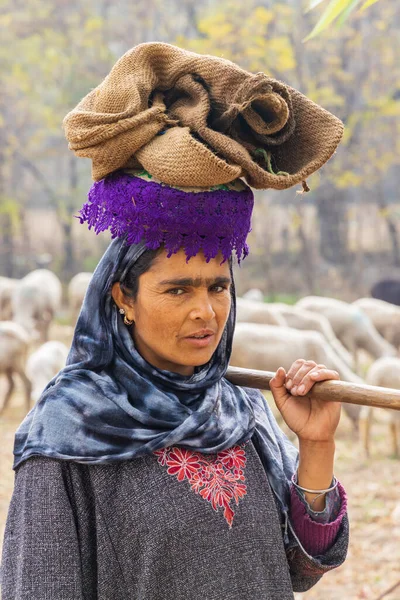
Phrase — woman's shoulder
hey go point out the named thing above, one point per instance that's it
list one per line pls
(50, 471)
(45, 474)
(38, 463)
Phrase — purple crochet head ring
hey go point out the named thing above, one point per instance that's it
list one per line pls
(131, 205)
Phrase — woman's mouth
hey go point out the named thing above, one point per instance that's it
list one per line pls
(201, 339)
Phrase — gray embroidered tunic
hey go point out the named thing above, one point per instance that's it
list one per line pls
(140, 530)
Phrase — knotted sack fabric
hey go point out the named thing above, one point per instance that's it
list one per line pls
(198, 120)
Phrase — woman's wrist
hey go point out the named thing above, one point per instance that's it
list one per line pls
(316, 444)
(315, 470)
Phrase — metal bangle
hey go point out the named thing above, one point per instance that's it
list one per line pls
(316, 491)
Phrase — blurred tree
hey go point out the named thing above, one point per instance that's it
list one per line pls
(51, 54)
(355, 73)
(9, 222)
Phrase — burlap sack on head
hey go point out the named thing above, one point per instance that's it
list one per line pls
(193, 120)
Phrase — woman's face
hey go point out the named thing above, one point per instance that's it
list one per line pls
(180, 310)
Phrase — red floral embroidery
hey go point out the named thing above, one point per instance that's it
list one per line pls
(182, 463)
(233, 457)
(219, 478)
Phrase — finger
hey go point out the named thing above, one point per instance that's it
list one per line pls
(324, 374)
(298, 378)
(277, 387)
(292, 372)
(278, 379)
(316, 374)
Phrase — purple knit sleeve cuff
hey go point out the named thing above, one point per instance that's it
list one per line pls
(316, 538)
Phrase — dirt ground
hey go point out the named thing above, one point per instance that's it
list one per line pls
(373, 487)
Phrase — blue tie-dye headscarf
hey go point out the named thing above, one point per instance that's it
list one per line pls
(109, 404)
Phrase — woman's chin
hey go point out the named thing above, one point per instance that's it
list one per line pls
(198, 358)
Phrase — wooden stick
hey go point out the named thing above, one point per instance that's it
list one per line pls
(332, 391)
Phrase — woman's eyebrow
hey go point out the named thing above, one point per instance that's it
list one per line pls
(189, 282)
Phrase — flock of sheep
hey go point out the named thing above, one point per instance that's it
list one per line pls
(268, 335)
(328, 331)
(27, 308)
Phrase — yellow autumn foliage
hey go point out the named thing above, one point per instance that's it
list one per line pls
(328, 69)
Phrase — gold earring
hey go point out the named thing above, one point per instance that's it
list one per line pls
(126, 320)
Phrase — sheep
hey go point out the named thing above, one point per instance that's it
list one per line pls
(351, 325)
(7, 287)
(250, 311)
(299, 318)
(254, 294)
(268, 347)
(44, 364)
(384, 372)
(14, 343)
(36, 299)
(290, 316)
(76, 292)
(384, 316)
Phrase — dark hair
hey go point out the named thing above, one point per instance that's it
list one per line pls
(130, 283)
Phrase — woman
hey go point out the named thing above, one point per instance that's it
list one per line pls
(142, 472)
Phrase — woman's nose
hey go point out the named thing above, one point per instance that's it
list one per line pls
(203, 309)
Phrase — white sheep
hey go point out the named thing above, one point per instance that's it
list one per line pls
(7, 287)
(14, 343)
(250, 311)
(384, 372)
(275, 313)
(351, 325)
(384, 316)
(254, 294)
(76, 292)
(299, 318)
(44, 364)
(36, 299)
(268, 347)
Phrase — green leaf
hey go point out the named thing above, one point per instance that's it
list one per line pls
(368, 3)
(332, 12)
(347, 12)
(312, 4)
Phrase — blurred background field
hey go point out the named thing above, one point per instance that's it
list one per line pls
(337, 240)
